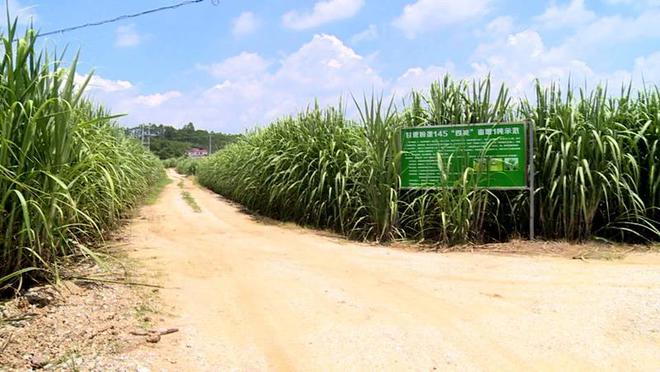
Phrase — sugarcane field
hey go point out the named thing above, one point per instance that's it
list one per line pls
(330, 185)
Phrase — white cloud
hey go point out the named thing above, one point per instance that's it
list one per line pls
(419, 78)
(620, 29)
(648, 68)
(571, 14)
(517, 59)
(247, 92)
(155, 100)
(370, 33)
(25, 14)
(327, 65)
(127, 36)
(246, 89)
(500, 25)
(243, 66)
(322, 69)
(428, 15)
(520, 58)
(99, 84)
(245, 24)
(635, 3)
(323, 12)
(613, 30)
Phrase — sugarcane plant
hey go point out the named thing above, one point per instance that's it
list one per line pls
(67, 173)
(596, 159)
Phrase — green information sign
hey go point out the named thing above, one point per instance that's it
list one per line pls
(438, 156)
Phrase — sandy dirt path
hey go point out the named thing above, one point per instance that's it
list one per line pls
(249, 295)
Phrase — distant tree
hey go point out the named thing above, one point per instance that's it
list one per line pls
(188, 127)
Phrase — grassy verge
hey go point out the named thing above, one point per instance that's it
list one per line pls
(191, 201)
(157, 189)
(188, 198)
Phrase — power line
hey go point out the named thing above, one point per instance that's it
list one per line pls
(126, 16)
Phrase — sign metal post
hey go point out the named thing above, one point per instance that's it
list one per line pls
(531, 176)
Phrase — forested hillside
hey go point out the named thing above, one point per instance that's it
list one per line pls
(169, 142)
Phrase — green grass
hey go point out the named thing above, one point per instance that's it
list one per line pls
(597, 163)
(188, 198)
(191, 201)
(157, 189)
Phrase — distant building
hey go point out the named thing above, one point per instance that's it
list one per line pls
(197, 152)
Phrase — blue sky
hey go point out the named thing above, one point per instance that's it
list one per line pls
(231, 66)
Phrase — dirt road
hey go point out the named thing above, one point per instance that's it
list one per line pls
(249, 295)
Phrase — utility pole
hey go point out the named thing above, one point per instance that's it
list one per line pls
(209, 143)
(145, 138)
